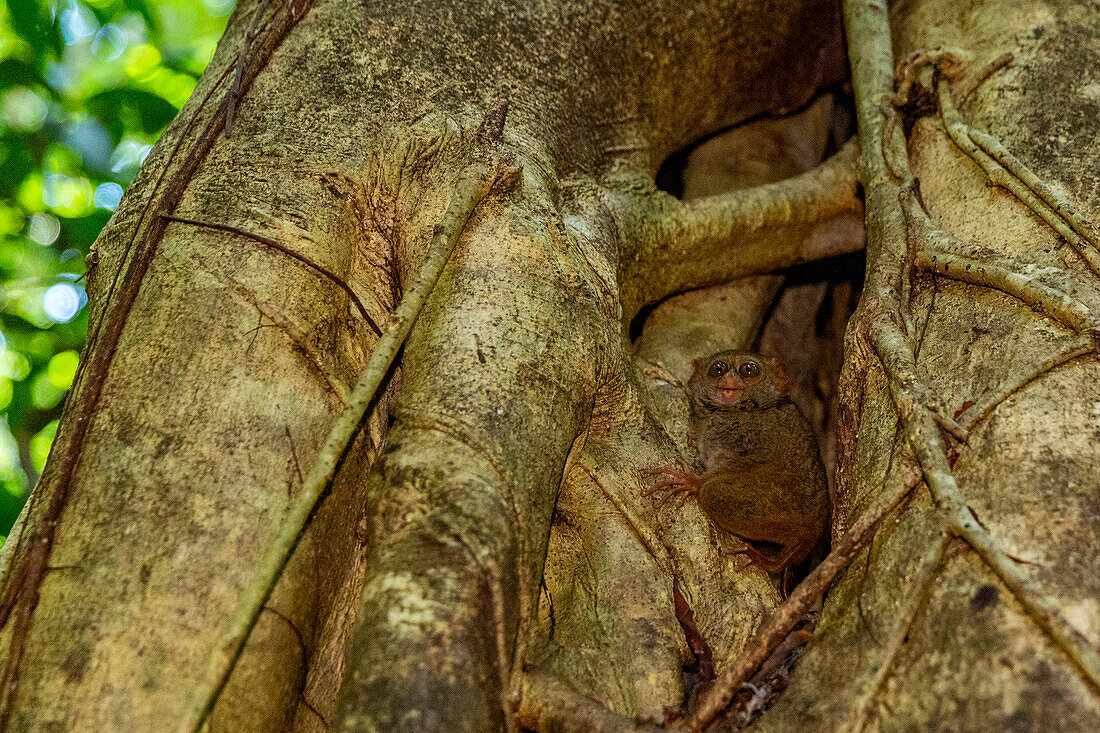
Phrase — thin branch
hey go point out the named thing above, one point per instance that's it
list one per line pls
(986, 273)
(1005, 170)
(235, 86)
(910, 392)
(997, 275)
(671, 246)
(488, 168)
(941, 253)
(267, 241)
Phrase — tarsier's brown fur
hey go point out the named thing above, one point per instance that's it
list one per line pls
(762, 477)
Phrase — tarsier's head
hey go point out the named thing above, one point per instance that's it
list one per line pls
(738, 380)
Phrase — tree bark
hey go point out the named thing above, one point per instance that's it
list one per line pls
(921, 632)
(482, 557)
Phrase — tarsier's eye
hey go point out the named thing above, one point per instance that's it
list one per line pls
(718, 368)
(748, 369)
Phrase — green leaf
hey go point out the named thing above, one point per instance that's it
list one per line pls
(82, 231)
(30, 21)
(118, 108)
(16, 160)
(14, 72)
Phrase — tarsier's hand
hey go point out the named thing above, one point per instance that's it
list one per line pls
(669, 482)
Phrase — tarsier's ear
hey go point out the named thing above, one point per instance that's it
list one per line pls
(782, 380)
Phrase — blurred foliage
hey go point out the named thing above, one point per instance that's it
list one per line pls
(85, 89)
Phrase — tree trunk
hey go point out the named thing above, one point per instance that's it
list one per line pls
(921, 632)
(482, 557)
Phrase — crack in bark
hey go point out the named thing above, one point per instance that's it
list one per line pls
(700, 649)
(298, 337)
(367, 212)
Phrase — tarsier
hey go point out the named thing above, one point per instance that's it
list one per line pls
(762, 478)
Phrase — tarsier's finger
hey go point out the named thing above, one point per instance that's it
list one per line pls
(663, 484)
(657, 471)
(668, 495)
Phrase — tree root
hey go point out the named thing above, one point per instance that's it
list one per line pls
(489, 168)
(971, 418)
(921, 425)
(939, 252)
(961, 521)
(910, 394)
